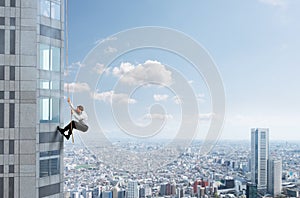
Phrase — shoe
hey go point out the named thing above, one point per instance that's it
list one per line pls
(59, 129)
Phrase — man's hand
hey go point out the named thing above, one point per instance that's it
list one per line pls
(69, 100)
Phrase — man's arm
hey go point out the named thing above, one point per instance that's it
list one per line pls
(71, 105)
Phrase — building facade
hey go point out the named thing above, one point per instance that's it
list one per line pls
(133, 191)
(259, 157)
(274, 177)
(31, 96)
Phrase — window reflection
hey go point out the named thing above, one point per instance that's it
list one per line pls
(49, 58)
(49, 110)
(50, 9)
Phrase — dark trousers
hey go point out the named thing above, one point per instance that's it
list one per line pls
(75, 125)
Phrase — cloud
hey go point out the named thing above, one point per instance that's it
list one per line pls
(110, 49)
(100, 69)
(111, 96)
(150, 71)
(158, 116)
(276, 3)
(159, 97)
(73, 67)
(76, 87)
(206, 116)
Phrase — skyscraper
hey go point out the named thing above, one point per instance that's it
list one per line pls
(274, 176)
(259, 156)
(31, 93)
(133, 191)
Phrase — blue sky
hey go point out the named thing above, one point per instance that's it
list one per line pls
(254, 43)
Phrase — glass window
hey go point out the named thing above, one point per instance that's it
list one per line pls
(11, 187)
(1, 95)
(12, 21)
(55, 59)
(12, 3)
(11, 115)
(2, 41)
(2, 2)
(50, 32)
(2, 20)
(55, 10)
(12, 41)
(1, 168)
(49, 110)
(12, 73)
(1, 118)
(11, 168)
(11, 149)
(1, 72)
(45, 8)
(11, 95)
(1, 184)
(49, 58)
(1, 146)
(44, 57)
(49, 167)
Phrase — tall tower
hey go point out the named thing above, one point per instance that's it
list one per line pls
(259, 156)
(31, 93)
(133, 191)
(274, 177)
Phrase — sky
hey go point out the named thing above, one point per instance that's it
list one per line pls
(254, 45)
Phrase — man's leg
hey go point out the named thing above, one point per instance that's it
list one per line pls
(68, 128)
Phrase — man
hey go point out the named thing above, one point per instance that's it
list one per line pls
(81, 123)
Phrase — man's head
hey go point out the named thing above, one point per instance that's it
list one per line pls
(79, 109)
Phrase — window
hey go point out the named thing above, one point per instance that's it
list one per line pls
(12, 73)
(12, 21)
(11, 95)
(2, 20)
(49, 110)
(11, 187)
(1, 95)
(49, 58)
(1, 72)
(49, 163)
(1, 168)
(50, 9)
(11, 115)
(2, 2)
(49, 190)
(1, 118)
(11, 168)
(12, 3)
(50, 137)
(1, 147)
(48, 84)
(11, 149)
(2, 41)
(50, 32)
(1, 185)
(12, 42)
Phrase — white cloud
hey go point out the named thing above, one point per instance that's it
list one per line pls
(148, 72)
(158, 116)
(100, 69)
(206, 116)
(76, 87)
(73, 67)
(279, 3)
(110, 49)
(160, 97)
(111, 96)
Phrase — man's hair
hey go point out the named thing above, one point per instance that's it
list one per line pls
(80, 108)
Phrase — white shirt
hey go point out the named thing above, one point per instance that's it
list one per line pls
(82, 117)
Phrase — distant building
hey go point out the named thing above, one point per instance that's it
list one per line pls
(274, 176)
(133, 191)
(107, 194)
(163, 189)
(251, 190)
(121, 194)
(259, 156)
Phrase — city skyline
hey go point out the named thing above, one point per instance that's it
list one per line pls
(258, 63)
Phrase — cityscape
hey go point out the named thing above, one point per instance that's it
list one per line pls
(227, 171)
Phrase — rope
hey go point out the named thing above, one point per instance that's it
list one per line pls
(67, 58)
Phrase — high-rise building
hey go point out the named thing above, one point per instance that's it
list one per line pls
(31, 93)
(274, 176)
(251, 190)
(133, 191)
(259, 156)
